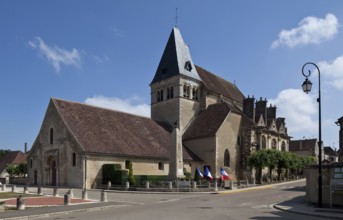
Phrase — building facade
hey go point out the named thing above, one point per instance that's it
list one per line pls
(198, 119)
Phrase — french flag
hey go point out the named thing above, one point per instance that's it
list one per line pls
(207, 174)
(199, 173)
(223, 174)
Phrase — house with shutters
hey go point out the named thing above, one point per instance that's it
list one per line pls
(198, 120)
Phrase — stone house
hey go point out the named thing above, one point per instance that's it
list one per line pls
(197, 119)
(10, 157)
(330, 155)
(306, 147)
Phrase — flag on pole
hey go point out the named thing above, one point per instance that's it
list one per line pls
(223, 174)
(199, 173)
(207, 174)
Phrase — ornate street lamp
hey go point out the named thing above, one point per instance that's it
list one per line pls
(307, 85)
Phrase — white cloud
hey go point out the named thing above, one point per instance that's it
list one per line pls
(310, 30)
(117, 32)
(298, 108)
(55, 55)
(333, 71)
(132, 105)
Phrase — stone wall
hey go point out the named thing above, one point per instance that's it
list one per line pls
(312, 185)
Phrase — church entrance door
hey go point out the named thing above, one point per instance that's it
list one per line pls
(51, 171)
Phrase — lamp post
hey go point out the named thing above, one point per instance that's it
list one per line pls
(307, 85)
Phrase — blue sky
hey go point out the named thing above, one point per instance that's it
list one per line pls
(107, 52)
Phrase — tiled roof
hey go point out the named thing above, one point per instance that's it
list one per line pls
(329, 151)
(219, 85)
(105, 131)
(302, 145)
(207, 122)
(10, 157)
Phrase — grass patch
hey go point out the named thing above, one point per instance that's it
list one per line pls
(9, 195)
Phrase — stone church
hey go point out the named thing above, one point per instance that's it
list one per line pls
(197, 119)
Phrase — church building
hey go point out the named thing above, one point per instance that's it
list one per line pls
(198, 120)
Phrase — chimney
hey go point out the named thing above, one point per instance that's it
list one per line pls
(248, 107)
(271, 112)
(25, 148)
(261, 109)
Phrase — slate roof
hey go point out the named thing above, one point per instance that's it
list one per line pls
(207, 122)
(105, 131)
(302, 145)
(11, 157)
(174, 58)
(219, 85)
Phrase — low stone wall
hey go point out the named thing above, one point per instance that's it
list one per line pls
(18, 180)
(327, 176)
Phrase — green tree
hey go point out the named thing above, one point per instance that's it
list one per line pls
(131, 178)
(272, 161)
(259, 160)
(12, 170)
(22, 169)
(284, 162)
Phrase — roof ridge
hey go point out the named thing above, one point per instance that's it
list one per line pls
(103, 108)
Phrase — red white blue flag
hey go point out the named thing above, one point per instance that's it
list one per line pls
(199, 173)
(223, 174)
(207, 174)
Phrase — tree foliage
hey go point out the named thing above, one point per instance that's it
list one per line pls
(280, 160)
(17, 169)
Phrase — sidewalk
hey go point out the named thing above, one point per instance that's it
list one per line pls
(299, 206)
(33, 213)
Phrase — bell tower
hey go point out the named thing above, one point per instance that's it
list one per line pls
(175, 95)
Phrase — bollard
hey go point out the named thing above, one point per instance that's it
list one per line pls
(39, 190)
(232, 187)
(147, 185)
(127, 185)
(20, 203)
(254, 181)
(109, 185)
(84, 194)
(246, 182)
(55, 192)
(209, 184)
(103, 196)
(13, 188)
(71, 193)
(26, 190)
(3, 187)
(194, 185)
(170, 185)
(67, 199)
(215, 186)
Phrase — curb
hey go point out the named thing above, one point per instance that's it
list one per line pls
(287, 209)
(52, 214)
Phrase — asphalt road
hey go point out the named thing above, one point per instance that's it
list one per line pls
(252, 204)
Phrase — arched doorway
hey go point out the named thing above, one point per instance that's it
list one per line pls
(52, 175)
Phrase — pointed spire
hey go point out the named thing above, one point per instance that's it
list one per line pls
(176, 59)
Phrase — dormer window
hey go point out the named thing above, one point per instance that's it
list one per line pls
(188, 66)
(51, 136)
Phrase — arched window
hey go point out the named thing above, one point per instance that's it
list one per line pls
(51, 135)
(160, 165)
(274, 144)
(195, 93)
(283, 146)
(158, 96)
(238, 140)
(168, 93)
(227, 158)
(30, 162)
(264, 142)
(127, 164)
(171, 92)
(186, 91)
(74, 159)
(161, 93)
